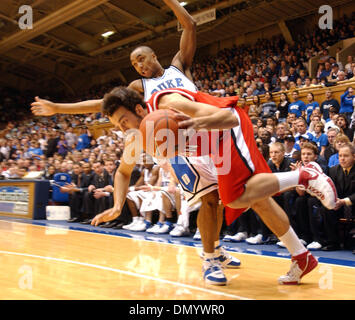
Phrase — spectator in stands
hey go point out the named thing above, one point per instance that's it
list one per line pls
(315, 118)
(334, 74)
(346, 103)
(333, 117)
(326, 71)
(71, 138)
(307, 208)
(62, 145)
(268, 108)
(340, 140)
(279, 162)
(301, 126)
(53, 138)
(320, 138)
(49, 173)
(254, 108)
(93, 205)
(35, 150)
(310, 106)
(280, 133)
(83, 139)
(348, 65)
(343, 176)
(282, 107)
(342, 123)
(297, 107)
(328, 103)
(330, 149)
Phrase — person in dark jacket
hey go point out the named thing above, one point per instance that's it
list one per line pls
(343, 176)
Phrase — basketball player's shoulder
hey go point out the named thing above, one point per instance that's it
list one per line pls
(136, 85)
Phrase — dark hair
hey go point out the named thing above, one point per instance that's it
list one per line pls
(121, 97)
(311, 95)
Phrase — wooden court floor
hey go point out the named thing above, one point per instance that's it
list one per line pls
(38, 262)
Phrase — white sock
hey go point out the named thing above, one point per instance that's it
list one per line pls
(136, 218)
(292, 242)
(216, 243)
(208, 255)
(288, 179)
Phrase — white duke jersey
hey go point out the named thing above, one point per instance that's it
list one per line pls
(197, 175)
(172, 78)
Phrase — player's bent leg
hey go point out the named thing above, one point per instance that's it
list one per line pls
(276, 219)
(226, 259)
(263, 185)
(207, 223)
(272, 215)
(207, 220)
(258, 187)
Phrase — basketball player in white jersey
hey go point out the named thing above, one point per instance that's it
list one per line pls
(157, 78)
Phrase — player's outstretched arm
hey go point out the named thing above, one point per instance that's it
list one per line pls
(184, 58)
(42, 107)
(121, 183)
(197, 115)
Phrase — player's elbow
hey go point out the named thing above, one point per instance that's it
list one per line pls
(230, 119)
(192, 24)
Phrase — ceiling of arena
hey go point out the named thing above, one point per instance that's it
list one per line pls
(66, 40)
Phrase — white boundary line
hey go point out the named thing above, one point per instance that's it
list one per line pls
(165, 243)
(129, 273)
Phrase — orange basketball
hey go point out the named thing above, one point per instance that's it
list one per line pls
(160, 134)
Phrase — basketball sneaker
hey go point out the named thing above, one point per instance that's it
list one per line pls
(179, 231)
(165, 228)
(213, 273)
(300, 266)
(133, 223)
(226, 260)
(197, 235)
(317, 184)
(155, 228)
(238, 237)
(141, 225)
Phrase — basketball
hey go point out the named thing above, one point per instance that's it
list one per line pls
(160, 134)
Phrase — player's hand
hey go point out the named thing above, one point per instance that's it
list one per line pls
(42, 107)
(107, 215)
(185, 121)
(339, 203)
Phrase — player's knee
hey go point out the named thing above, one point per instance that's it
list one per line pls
(211, 199)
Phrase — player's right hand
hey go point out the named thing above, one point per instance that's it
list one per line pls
(42, 107)
(107, 215)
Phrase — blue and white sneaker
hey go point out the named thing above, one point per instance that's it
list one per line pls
(197, 235)
(165, 228)
(226, 260)
(213, 273)
(154, 228)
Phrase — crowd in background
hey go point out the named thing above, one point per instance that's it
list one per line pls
(289, 134)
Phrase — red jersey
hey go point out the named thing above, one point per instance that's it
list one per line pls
(234, 151)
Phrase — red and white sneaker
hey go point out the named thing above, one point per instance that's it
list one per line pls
(301, 265)
(318, 185)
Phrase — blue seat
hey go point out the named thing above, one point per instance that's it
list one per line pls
(60, 179)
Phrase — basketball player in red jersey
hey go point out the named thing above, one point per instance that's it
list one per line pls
(257, 184)
(156, 78)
